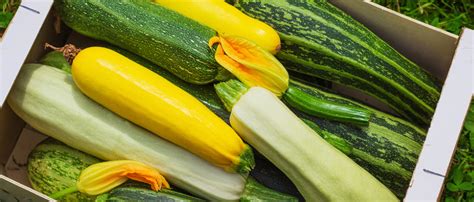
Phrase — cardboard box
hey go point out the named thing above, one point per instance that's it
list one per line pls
(439, 52)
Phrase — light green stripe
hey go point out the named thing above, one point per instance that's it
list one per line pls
(327, 51)
(381, 163)
(346, 75)
(365, 45)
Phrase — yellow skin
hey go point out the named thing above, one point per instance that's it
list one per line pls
(226, 20)
(147, 99)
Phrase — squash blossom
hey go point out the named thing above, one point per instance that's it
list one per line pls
(251, 64)
(102, 177)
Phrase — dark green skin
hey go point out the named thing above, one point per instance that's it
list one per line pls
(324, 109)
(160, 35)
(332, 139)
(254, 191)
(142, 194)
(321, 41)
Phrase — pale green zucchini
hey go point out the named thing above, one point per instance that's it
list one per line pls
(47, 99)
(319, 171)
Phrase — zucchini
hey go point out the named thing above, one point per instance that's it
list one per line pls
(309, 161)
(47, 99)
(160, 35)
(320, 40)
(53, 167)
(150, 101)
(315, 106)
(140, 194)
(388, 147)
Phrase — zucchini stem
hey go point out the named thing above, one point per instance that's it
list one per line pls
(230, 91)
(312, 105)
(64, 192)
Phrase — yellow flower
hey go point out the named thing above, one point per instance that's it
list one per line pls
(102, 177)
(250, 63)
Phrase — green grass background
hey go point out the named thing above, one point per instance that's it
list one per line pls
(450, 15)
(7, 10)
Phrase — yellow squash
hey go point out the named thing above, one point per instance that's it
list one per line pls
(226, 20)
(147, 99)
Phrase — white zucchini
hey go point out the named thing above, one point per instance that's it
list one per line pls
(47, 99)
(319, 171)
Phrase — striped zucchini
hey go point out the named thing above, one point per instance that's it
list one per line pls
(162, 36)
(320, 40)
(141, 194)
(388, 147)
(53, 166)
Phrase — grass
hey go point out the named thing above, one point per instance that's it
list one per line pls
(7, 10)
(460, 182)
(450, 15)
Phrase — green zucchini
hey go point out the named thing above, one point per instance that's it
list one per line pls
(162, 36)
(141, 194)
(271, 128)
(334, 140)
(53, 166)
(320, 40)
(329, 110)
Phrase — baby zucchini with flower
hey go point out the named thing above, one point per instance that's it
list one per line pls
(319, 171)
(147, 99)
(255, 66)
(103, 177)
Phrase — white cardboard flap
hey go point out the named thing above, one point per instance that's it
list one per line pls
(440, 144)
(18, 39)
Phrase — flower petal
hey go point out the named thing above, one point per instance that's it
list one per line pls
(250, 63)
(102, 177)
